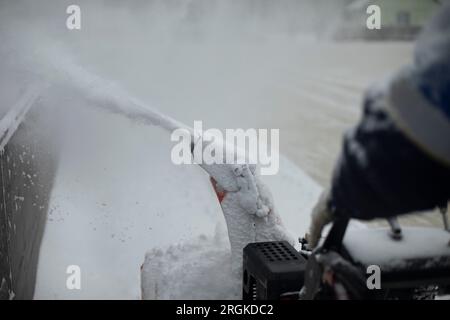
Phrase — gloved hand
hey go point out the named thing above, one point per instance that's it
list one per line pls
(320, 216)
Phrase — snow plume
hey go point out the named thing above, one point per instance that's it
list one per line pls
(112, 98)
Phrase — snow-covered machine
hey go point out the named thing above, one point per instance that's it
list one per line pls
(271, 270)
(378, 263)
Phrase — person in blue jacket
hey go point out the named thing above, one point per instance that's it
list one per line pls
(397, 158)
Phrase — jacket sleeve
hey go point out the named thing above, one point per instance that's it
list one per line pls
(381, 172)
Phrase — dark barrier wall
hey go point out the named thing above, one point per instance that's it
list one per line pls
(27, 169)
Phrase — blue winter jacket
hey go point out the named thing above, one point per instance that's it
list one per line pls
(397, 159)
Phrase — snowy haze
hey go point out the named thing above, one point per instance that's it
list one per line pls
(231, 64)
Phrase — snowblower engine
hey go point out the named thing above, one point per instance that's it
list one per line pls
(272, 271)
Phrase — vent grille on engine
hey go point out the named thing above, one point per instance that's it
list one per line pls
(276, 251)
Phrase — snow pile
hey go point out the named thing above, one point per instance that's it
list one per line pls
(198, 269)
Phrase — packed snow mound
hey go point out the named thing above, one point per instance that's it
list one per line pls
(197, 269)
